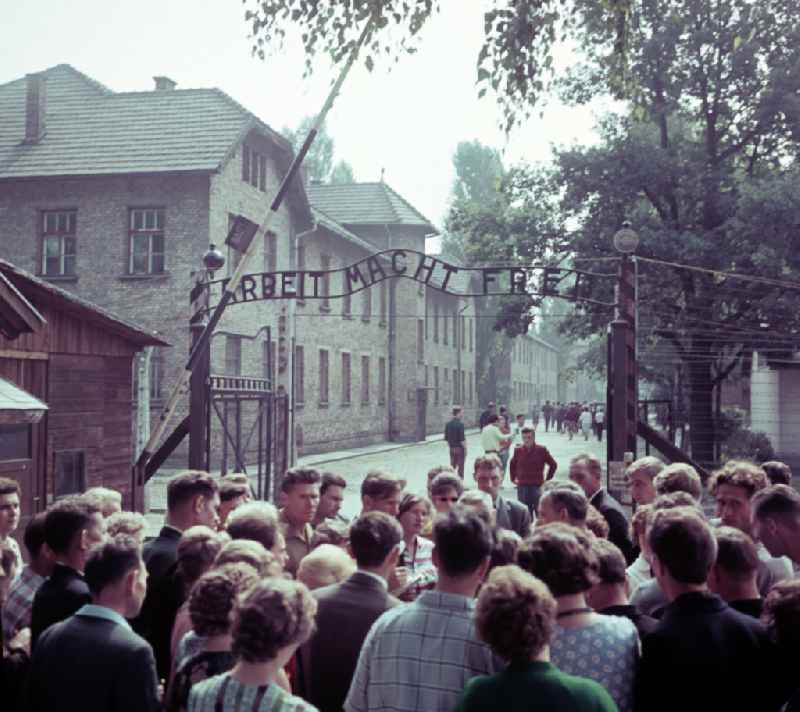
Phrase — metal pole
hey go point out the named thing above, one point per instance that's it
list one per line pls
(230, 288)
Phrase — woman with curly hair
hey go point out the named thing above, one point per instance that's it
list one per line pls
(210, 609)
(516, 617)
(271, 620)
(602, 648)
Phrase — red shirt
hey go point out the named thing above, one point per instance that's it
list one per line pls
(527, 465)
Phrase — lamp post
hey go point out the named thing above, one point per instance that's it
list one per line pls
(623, 391)
(213, 260)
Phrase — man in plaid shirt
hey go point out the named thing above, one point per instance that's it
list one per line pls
(17, 609)
(420, 656)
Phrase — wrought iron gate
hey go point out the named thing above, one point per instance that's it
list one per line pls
(248, 430)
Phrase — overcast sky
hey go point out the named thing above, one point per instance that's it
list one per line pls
(406, 121)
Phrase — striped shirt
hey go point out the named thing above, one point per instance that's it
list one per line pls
(19, 602)
(420, 656)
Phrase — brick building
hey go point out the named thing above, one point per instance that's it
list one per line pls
(529, 375)
(115, 197)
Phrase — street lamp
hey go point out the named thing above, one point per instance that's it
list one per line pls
(626, 239)
(213, 260)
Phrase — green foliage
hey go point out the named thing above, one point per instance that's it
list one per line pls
(318, 163)
(319, 159)
(342, 173)
(739, 442)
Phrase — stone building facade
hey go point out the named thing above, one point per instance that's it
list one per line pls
(116, 197)
(529, 375)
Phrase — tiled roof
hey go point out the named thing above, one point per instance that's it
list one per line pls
(330, 224)
(39, 291)
(366, 204)
(91, 130)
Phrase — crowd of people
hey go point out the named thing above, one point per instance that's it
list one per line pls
(456, 598)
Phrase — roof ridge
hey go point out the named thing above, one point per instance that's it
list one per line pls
(63, 65)
(408, 205)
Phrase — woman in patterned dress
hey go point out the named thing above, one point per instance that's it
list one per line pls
(586, 644)
(271, 620)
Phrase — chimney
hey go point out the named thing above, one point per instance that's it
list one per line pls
(164, 84)
(35, 107)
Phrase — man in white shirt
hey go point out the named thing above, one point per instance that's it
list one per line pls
(492, 438)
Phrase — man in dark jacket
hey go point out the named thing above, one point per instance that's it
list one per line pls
(509, 514)
(93, 661)
(703, 654)
(456, 441)
(488, 413)
(71, 528)
(586, 471)
(346, 611)
(192, 499)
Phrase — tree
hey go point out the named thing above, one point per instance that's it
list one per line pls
(515, 60)
(479, 171)
(703, 164)
(342, 173)
(318, 162)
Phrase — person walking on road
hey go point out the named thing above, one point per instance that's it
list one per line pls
(492, 438)
(547, 413)
(456, 441)
(585, 421)
(527, 469)
(486, 415)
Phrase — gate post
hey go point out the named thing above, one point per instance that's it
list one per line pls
(198, 383)
(623, 377)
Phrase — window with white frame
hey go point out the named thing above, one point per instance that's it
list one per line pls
(146, 248)
(59, 243)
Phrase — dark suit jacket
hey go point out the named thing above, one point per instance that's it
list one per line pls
(619, 531)
(161, 553)
(513, 515)
(93, 665)
(63, 593)
(164, 596)
(327, 662)
(703, 655)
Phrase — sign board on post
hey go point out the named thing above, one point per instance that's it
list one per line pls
(618, 483)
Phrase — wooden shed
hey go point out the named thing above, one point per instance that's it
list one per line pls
(77, 359)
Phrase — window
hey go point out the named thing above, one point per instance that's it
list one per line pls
(435, 323)
(420, 341)
(426, 376)
(254, 168)
(233, 355)
(58, 243)
(156, 374)
(345, 379)
(70, 472)
(347, 300)
(455, 386)
(146, 241)
(299, 375)
(469, 383)
(366, 301)
(463, 393)
(446, 390)
(436, 385)
(471, 322)
(381, 381)
(270, 252)
(325, 262)
(323, 377)
(455, 329)
(463, 333)
(445, 335)
(15, 442)
(364, 380)
(384, 298)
